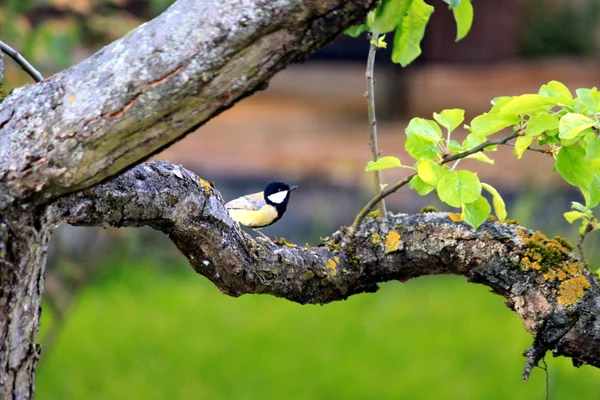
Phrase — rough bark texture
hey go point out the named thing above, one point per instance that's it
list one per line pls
(556, 297)
(123, 104)
(152, 87)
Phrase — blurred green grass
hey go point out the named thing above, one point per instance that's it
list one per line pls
(140, 332)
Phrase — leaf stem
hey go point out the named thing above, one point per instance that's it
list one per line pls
(19, 59)
(369, 74)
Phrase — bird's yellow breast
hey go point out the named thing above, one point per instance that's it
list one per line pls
(254, 218)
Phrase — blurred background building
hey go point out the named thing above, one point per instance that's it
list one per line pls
(125, 319)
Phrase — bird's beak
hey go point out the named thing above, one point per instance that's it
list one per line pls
(293, 188)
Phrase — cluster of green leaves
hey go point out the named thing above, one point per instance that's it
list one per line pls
(565, 127)
(408, 18)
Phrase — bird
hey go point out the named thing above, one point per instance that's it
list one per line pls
(261, 209)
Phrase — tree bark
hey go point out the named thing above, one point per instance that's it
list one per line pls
(128, 101)
(23, 245)
(542, 280)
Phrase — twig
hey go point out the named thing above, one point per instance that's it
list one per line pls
(545, 368)
(588, 228)
(19, 59)
(543, 151)
(361, 215)
(389, 190)
(372, 117)
(477, 149)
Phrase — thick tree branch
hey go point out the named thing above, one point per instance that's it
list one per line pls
(152, 87)
(557, 298)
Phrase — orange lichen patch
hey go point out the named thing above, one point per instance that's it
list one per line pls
(392, 242)
(455, 217)
(555, 275)
(332, 265)
(206, 186)
(572, 290)
(376, 238)
(542, 254)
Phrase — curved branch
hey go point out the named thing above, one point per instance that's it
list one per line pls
(557, 298)
(152, 87)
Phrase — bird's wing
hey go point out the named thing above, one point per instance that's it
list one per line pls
(252, 202)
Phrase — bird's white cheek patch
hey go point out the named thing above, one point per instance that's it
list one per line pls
(278, 197)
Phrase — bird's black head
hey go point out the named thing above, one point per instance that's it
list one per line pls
(277, 194)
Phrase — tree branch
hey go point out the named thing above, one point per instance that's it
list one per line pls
(369, 75)
(19, 59)
(543, 281)
(152, 87)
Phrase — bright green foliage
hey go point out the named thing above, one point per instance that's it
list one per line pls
(571, 164)
(522, 144)
(425, 129)
(383, 163)
(488, 123)
(589, 223)
(407, 40)
(566, 128)
(558, 91)
(540, 123)
(450, 119)
(408, 18)
(431, 172)
(420, 186)
(527, 104)
(572, 125)
(389, 15)
(459, 187)
(463, 15)
(477, 212)
(499, 207)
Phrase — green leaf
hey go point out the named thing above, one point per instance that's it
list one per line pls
(421, 187)
(571, 164)
(592, 145)
(356, 30)
(426, 129)
(407, 40)
(477, 212)
(541, 123)
(472, 140)
(499, 206)
(463, 15)
(527, 104)
(592, 193)
(572, 124)
(459, 187)
(431, 172)
(558, 91)
(454, 146)
(390, 15)
(419, 148)
(489, 123)
(499, 102)
(521, 145)
(579, 207)
(590, 98)
(572, 216)
(450, 119)
(383, 163)
(479, 156)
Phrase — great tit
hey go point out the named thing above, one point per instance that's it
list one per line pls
(261, 209)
